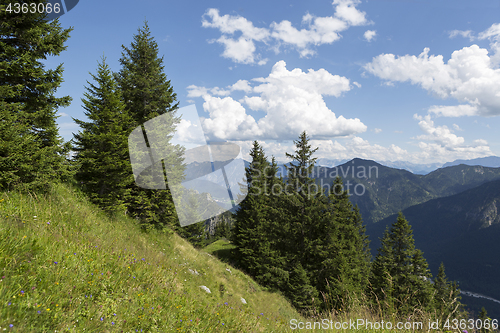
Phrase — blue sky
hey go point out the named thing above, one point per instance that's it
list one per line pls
(417, 81)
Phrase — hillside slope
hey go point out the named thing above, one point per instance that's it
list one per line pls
(65, 266)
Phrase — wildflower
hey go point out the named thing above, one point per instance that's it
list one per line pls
(48, 222)
(38, 311)
(112, 323)
(55, 262)
(102, 319)
(22, 291)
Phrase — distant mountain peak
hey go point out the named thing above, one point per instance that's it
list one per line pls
(489, 161)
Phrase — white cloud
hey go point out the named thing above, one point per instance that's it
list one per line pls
(377, 130)
(453, 110)
(481, 142)
(457, 128)
(62, 114)
(321, 30)
(470, 76)
(462, 33)
(195, 91)
(242, 49)
(188, 132)
(355, 146)
(369, 35)
(346, 11)
(292, 102)
(228, 119)
(439, 134)
(444, 145)
(242, 85)
(493, 34)
(435, 152)
(317, 31)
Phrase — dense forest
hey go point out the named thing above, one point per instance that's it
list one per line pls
(290, 235)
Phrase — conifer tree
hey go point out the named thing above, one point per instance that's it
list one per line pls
(483, 316)
(446, 295)
(194, 233)
(253, 232)
(34, 156)
(401, 277)
(381, 279)
(300, 292)
(342, 253)
(147, 94)
(101, 146)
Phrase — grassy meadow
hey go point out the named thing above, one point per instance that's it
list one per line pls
(67, 267)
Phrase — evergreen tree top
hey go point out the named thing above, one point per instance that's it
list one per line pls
(145, 88)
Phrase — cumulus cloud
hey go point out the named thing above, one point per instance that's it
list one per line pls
(369, 35)
(470, 76)
(241, 49)
(443, 145)
(377, 130)
(355, 146)
(243, 85)
(439, 134)
(239, 35)
(189, 132)
(292, 101)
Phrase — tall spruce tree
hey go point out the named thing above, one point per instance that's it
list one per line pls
(101, 146)
(401, 278)
(33, 156)
(147, 94)
(254, 230)
(302, 199)
(340, 252)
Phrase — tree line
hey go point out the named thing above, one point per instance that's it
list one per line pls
(310, 244)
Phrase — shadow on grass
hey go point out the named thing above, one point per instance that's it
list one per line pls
(223, 250)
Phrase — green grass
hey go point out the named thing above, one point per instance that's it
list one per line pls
(222, 249)
(66, 266)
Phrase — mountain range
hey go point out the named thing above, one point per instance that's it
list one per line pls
(420, 169)
(463, 232)
(380, 191)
